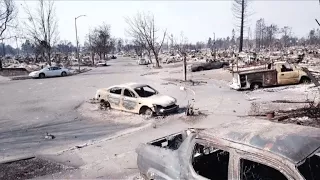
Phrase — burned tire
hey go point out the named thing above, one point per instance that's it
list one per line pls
(147, 112)
(42, 75)
(305, 80)
(104, 104)
(255, 86)
(63, 74)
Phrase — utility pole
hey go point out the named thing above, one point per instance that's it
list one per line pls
(77, 42)
(214, 45)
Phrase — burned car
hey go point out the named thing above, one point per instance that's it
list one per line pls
(239, 150)
(278, 73)
(208, 65)
(137, 98)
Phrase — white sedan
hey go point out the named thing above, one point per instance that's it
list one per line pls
(101, 63)
(50, 72)
(137, 98)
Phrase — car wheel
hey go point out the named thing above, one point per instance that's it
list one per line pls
(255, 86)
(200, 69)
(63, 74)
(104, 104)
(148, 112)
(42, 75)
(305, 80)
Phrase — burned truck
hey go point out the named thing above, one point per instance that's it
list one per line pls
(246, 150)
(279, 73)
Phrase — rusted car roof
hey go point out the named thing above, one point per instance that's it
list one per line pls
(287, 140)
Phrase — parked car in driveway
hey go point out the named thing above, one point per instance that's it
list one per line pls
(101, 63)
(208, 65)
(137, 98)
(50, 72)
(241, 150)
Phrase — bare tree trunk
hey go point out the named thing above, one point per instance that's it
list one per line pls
(92, 58)
(157, 60)
(241, 29)
(149, 55)
(49, 56)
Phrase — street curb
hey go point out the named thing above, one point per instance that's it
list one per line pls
(117, 135)
(17, 158)
(87, 70)
(20, 78)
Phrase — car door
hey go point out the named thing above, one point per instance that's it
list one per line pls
(49, 72)
(114, 97)
(287, 75)
(210, 161)
(129, 100)
(56, 71)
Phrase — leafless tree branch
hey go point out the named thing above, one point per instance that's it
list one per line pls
(42, 27)
(142, 28)
(8, 12)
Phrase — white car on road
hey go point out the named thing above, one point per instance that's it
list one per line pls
(137, 98)
(50, 72)
(101, 63)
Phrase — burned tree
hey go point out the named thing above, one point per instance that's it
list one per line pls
(99, 41)
(260, 26)
(7, 16)
(240, 12)
(286, 35)
(119, 44)
(142, 27)
(271, 31)
(90, 46)
(182, 48)
(42, 27)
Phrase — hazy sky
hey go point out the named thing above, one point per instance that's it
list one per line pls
(197, 19)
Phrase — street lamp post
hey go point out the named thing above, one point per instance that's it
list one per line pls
(77, 42)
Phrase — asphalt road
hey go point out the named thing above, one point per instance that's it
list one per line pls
(30, 108)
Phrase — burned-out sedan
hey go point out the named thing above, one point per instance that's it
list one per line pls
(246, 150)
(208, 65)
(137, 98)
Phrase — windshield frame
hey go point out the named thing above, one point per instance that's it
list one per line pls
(135, 90)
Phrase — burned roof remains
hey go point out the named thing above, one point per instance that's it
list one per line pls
(287, 140)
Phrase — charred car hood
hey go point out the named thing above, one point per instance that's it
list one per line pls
(162, 100)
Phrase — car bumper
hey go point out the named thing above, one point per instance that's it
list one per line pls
(165, 110)
(34, 75)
